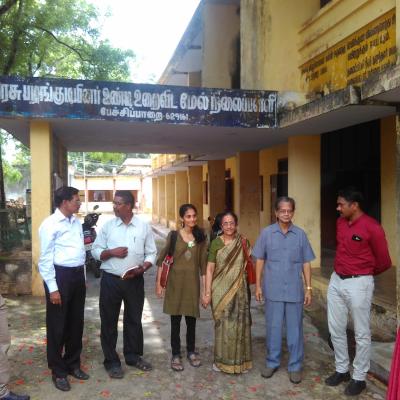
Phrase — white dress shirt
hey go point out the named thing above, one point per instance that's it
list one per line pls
(137, 236)
(61, 243)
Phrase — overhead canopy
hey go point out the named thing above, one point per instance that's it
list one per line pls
(205, 123)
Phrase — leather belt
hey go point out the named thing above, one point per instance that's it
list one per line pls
(348, 276)
(76, 269)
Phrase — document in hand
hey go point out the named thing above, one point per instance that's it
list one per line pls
(128, 271)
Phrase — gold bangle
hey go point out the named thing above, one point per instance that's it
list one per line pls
(207, 294)
(309, 287)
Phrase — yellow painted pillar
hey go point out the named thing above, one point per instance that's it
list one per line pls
(155, 211)
(195, 190)
(216, 187)
(220, 31)
(248, 194)
(161, 201)
(41, 168)
(389, 205)
(181, 192)
(305, 187)
(170, 200)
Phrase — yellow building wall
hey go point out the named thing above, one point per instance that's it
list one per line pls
(41, 166)
(195, 190)
(269, 42)
(230, 163)
(181, 194)
(389, 203)
(206, 207)
(221, 29)
(304, 155)
(161, 200)
(346, 41)
(269, 166)
(155, 210)
(170, 200)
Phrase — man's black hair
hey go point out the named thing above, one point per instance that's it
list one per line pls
(126, 196)
(64, 193)
(352, 195)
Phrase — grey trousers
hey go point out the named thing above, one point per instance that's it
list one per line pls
(353, 295)
(4, 346)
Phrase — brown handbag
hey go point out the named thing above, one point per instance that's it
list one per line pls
(250, 269)
(168, 261)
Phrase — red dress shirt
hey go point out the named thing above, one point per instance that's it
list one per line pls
(361, 247)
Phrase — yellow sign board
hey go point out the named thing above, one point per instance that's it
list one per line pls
(369, 50)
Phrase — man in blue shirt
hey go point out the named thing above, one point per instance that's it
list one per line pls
(283, 254)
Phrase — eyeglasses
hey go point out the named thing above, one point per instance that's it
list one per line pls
(285, 211)
(230, 223)
(118, 203)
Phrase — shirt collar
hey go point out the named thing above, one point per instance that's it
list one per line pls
(61, 217)
(131, 222)
(277, 228)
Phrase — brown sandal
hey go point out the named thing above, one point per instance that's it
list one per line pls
(176, 364)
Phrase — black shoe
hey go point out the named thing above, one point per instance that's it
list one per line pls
(355, 387)
(337, 378)
(115, 372)
(61, 383)
(79, 374)
(14, 396)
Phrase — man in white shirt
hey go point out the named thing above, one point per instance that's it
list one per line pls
(124, 242)
(61, 266)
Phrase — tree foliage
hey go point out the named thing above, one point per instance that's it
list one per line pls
(58, 38)
(96, 162)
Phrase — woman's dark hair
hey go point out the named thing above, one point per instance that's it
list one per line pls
(198, 233)
(126, 196)
(285, 199)
(232, 214)
(216, 226)
(64, 193)
(352, 195)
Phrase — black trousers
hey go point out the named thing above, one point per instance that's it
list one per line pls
(65, 323)
(176, 337)
(114, 290)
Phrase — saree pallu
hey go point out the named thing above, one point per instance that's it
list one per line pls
(231, 310)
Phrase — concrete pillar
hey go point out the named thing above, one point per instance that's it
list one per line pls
(41, 165)
(248, 194)
(389, 205)
(181, 193)
(221, 31)
(195, 190)
(161, 200)
(170, 200)
(216, 187)
(155, 211)
(305, 187)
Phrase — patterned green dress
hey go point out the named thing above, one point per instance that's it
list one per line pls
(182, 293)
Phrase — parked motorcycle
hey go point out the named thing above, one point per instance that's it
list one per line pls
(89, 236)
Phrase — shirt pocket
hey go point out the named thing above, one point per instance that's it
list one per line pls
(357, 247)
(138, 245)
(296, 254)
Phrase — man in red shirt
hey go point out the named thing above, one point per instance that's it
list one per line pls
(361, 253)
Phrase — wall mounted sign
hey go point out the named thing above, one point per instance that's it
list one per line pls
(83, 99)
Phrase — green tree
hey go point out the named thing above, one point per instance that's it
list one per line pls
(96, 160)
(55, 38)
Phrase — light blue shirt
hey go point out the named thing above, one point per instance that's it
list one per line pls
(61, 243)
(284, 256)
(137, 236)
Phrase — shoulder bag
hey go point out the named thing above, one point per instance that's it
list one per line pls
(168, 261)
(250, 269)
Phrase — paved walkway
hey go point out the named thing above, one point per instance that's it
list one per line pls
(30, 373)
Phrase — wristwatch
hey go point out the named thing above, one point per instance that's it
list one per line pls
(309, 287)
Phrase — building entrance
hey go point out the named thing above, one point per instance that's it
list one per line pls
(349, 157)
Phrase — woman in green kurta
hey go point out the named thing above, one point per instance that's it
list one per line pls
(228, 291)
(182, 293)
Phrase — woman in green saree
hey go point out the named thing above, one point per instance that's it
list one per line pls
(228, 292)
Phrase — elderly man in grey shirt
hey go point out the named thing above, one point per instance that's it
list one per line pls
(126, 247)
(284, 253)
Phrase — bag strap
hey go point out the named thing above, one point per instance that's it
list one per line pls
(174, 237)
